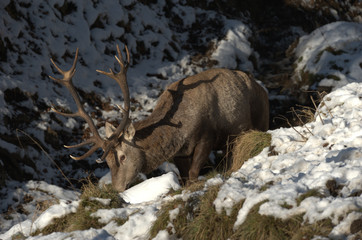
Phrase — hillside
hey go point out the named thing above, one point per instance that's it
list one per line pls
(294, 47)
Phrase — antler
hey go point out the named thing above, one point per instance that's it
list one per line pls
(96, 140)
(121, 79)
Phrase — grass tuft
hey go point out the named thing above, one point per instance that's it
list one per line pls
(309, 193)
(163, 219)
(208, 224)
(262, 227)
(82, 219)
(247, 146)
(91, 191)
(197, 218)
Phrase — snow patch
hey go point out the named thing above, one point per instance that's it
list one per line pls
(151, 189)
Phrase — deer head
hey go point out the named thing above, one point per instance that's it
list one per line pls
(119, 140)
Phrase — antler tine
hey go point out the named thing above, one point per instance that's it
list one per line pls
(120, 59)
(67, 75)
(89, 141)
(87, 154)
(121, 79)
(96, 139)
(128, 56)
(122, 109)
(63, 113)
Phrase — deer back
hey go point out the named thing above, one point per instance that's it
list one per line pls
(218, 103)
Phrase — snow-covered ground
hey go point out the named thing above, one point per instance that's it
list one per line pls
(331, 149)
(330, 56)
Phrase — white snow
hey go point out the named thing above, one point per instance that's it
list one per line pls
(332, 151)
(67, 203)
(151, 189)
(332, 52)
(235, 47)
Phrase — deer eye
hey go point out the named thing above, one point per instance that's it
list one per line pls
(122, 158)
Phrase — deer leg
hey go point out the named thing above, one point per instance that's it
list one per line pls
(200, 157)
(183, 164)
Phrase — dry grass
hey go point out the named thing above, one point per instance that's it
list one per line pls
(262, 227)
(82, 219)
(310, 193)
(163, 218)
(197, 218)
(208, 224)
(92, 190)
(248, 145)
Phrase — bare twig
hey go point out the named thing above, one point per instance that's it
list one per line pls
(301, 121)
(46, 154)
(316, 109)
(321, 96)
(290, 125)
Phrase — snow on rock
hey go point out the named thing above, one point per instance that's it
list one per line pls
(235, 47)
(151, 189)
(332, 53)
(58, 192)
(332, 152)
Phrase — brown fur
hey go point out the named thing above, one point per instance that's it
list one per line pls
(192, 117)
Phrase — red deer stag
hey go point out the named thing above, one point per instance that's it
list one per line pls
(193, 116)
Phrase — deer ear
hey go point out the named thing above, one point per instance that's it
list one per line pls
(110, 129)
(129, 132)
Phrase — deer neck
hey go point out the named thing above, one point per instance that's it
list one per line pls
(159, 142)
